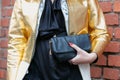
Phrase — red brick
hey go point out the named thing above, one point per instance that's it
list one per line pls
(110, 30)
(110, 73)
(117, 6)
(6, 12)
(6, 3)
(4, 43)
(2, 74)
(12, 2)
(106, 6)
(3, 12)
(117, 32)
(9, 12)
(3, 63)
(102, 60)
(5, 22)
(3, 53)
(3, 32)
(6, 33)
(112, 19)
(114, 60)
(0, 21)
(113, 46)
(96, 72)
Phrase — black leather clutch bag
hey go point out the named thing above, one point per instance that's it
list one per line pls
(61, 50)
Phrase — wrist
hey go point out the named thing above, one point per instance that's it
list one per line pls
(93, 57)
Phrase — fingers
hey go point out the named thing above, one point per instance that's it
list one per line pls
(75, 60)
(74, 46)
(77, 48)
(81, 57)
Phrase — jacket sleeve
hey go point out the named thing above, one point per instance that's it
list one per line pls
(97, 27)
(16, 43)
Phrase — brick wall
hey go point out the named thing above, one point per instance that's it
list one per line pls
(108, 64)
(6, 9)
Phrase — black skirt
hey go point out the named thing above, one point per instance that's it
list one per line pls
(45, 67)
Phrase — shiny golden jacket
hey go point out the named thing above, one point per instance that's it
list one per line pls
(81, 16)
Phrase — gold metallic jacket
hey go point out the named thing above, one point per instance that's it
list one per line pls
(81, 16)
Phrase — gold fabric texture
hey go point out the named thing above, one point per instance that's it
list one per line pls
(84, 16)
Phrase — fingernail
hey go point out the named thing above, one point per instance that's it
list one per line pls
(70, 43)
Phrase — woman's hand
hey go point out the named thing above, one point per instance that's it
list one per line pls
(82, 56)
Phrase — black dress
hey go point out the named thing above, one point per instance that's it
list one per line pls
(43, 66)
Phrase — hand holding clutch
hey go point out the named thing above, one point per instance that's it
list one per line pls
(62, 51)
(82, 56)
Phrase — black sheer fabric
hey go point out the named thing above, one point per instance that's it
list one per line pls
(43, 65)
(51, 20)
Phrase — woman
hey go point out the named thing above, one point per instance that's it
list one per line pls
(35, 22)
